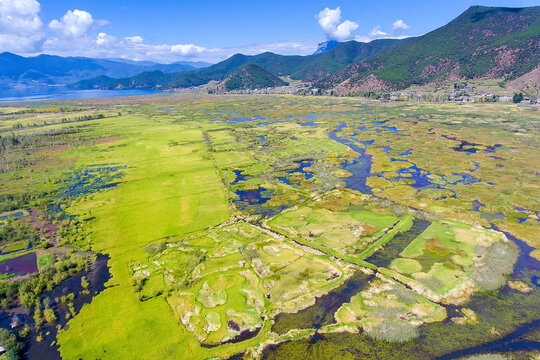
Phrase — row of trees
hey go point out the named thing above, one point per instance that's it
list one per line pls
(20, 126)
(518, 98)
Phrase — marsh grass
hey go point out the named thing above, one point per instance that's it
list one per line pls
(393, 331)
(496, 262)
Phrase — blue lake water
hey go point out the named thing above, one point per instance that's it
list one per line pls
(16, 215)
(43, 93)
(360, 167)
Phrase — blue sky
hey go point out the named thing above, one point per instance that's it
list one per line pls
(211, 30)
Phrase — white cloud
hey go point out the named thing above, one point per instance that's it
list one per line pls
(187, 49)
(73, 24)
(400, 25)
(101, 22)
(22, 31)
(76, 34)
(329, 20)
(134, 48)
(134, 39)
(104, 39)
(377, 32)
(20, 25)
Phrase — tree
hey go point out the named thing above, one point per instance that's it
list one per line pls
(10, 343)
(84, 283)
(50, 317)
(517, 98)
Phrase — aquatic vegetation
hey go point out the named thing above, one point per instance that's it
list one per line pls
(388, 311)
(355, 234)
(448, 261)
(229, 280)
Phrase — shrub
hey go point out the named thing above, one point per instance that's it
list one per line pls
(50, 317)
(10, 343)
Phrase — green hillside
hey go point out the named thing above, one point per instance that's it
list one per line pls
(340, 56)
(252, 76)
(481, 42)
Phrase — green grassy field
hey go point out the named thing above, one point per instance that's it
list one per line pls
(45, 261)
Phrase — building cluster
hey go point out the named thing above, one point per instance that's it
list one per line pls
(451, 96)
(269, 90)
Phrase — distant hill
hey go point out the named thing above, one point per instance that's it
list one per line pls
(307, 68)
(147, 79)
(276, 64)
(487, 42)
(49, 69)
(195, 64)
(192, 64)
(251, 76)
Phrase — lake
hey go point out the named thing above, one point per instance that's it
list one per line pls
(43, 93)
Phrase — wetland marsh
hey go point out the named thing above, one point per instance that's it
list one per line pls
(278, 227)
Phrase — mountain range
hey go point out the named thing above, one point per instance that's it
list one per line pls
(307, 68)
(482, 42)
(54, 70)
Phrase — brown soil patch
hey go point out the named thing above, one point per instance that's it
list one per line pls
(434, 243)
(107, 139)
(46, 229)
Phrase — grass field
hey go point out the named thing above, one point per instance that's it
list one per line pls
(45, 261)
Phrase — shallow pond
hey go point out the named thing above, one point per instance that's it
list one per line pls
(473, 148)
(252, 202)
(301, 169)
(21, 265)
(85, 181)
(90, 180)
(239, 177)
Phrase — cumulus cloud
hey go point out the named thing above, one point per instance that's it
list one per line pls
(104, 39)
(76, 34)
(377, 33)
(329, 20)
(187, 49)
(134, 39)
(20, 25)
(73, 24)
(400, 25)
